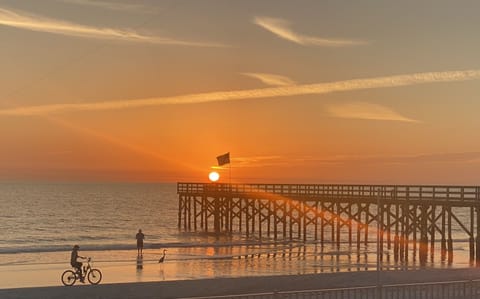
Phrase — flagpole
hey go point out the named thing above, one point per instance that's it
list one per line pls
(225, 159)
(229, 173)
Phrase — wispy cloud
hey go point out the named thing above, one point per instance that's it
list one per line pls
(255, 161)
(271, 79)
(425, 158)
(271, 92)
(32, 22)
(258, 161)
(362, 110)
(281, 28)
(452, 157)
(349, 160)
(111, 5)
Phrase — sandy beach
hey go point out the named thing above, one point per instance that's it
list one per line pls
(226, 286)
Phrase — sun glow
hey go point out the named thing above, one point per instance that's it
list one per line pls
(213, 176)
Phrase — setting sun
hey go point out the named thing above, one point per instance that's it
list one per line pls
(213, 176)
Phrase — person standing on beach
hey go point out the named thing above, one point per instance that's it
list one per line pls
(140, 237)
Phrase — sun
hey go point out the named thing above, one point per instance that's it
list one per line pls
(213, 176)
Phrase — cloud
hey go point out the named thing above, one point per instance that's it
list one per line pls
(428, 158)
(339, 160)
(258, 161)
(271, 79)
(458, 157)
(454, 158)
(360, 110)
(271, 92)
(281, 28)
(110, 5)
(32, 22)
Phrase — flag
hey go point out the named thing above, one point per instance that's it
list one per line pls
(223, 159)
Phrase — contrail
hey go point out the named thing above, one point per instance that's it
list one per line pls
(271, 79)
(271, 92)
(361, 110)
(281, 28)
(41, 24)
(111, 5)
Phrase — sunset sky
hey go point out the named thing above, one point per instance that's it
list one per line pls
(301, 91)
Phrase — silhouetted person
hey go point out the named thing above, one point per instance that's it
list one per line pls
(76, 264)
(140, 237)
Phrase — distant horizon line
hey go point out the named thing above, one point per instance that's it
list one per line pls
(112, 182)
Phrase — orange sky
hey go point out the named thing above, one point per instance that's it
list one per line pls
(307, 92)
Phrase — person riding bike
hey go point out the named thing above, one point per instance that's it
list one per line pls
(76, 264)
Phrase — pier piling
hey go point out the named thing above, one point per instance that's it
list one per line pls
(407, 215)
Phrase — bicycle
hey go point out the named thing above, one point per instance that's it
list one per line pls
(94, 276)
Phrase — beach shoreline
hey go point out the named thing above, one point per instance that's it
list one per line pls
(243, 285)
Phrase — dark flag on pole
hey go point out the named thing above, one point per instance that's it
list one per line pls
(223, 159)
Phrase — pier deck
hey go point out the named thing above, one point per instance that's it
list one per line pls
(405, 217)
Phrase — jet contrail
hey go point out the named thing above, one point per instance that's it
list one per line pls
(32, 22)
(369, 111)
(271, 92)
(281, 28)
(111, 5)
(271, 79)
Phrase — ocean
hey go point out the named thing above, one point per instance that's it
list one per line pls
(40, 222)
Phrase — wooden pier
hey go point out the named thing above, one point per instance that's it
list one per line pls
(402, 218)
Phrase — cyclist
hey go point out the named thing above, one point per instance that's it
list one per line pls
(76, 264)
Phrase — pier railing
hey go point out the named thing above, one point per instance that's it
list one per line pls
(454, 194)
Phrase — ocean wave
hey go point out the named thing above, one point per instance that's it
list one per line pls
(249, 245)
(130, 246)
(219, 244)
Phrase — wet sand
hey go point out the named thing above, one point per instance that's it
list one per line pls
(226, 286)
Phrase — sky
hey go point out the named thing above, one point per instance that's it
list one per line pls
(347, 92)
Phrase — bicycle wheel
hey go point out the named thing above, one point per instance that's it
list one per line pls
(68, 278)
(94, 276)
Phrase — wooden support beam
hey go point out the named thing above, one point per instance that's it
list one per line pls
(407, 215)
(472, 233)
(443, 241)
(450, 239)
(396, 239)
(389, 226)
(423, 251)
(432, 231)
(477, 255)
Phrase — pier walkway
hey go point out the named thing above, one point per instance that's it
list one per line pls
(401, 218)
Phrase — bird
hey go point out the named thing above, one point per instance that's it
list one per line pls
(163, 257)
